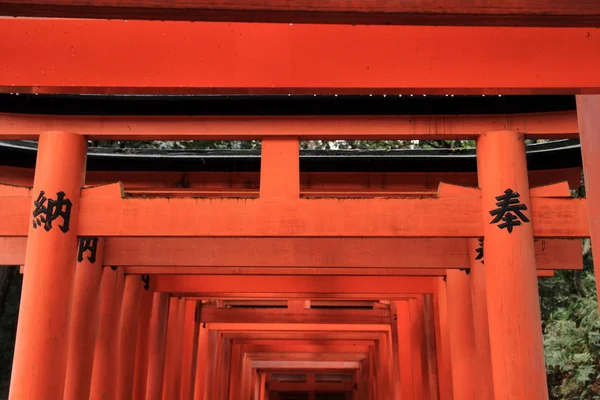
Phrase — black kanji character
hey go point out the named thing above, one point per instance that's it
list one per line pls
(43, 214)
(146, 281)
(508, 204)
(85, 244)
(479, 250)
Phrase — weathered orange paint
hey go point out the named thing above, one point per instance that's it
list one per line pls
(156, 346)
(141, 352)
(303, 217)
(404, 349)
(561, 124)
(511, 283)
(280, 167)
(417, 339)
(78, 56)
(588, 112)
(286, 286)
(40, 360)
(311, 183)
(172, 341)
(377, 256)
(189, 337)
(443, 341)
(83, 328)
(104, 379)
(202, 360)
(127, 338)
(462, 339)
(481, 332)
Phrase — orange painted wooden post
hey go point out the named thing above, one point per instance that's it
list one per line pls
(280, 167)
(430, 346)
(201, 362)
(189, 337)
(179, 348)
(404, 349)
(417, 337)
(40, 358)
(462, 338)
(383, 369)
(485, 384)
(394, 323)
(443, 341)
(255, 385)
(171, 344)
(103, 384)
(143, 333)
(156, 346)
(211, 374)
(248, 374)
(510, 273)
(85, 315)
(263, 387)
(127, 337)
(223, 366)
(588, 114)
(235, 373)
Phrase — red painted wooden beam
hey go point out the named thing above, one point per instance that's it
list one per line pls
(418, 12)
(557, 125)
(102, 56)
(293, 285)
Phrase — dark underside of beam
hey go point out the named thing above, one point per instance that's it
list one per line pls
(387, 12)
(551, 155)
(280, 104)
(560, 154)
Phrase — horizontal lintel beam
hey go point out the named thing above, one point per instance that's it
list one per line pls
(311, 217)
(561, 124)
(116, 56)
(284, 285)
(283, 315)
(311, 386)
(386, 12)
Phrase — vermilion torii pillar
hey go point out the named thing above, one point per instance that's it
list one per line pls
(40, 361)
(85, 314)
(515, 330)
(588, 113)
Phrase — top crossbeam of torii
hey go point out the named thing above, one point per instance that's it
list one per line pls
(177, 57)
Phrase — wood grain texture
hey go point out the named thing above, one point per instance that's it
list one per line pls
(419, 12)
(114, 56)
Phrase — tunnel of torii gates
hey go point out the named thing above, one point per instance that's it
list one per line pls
(202, 275)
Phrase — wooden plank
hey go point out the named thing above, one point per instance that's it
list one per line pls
(100, 56)
(178, 217)
(313, 386)
(311, 183)
(419, 12)
(258, 315)
(312, 217)
(279, 296)
(282, 365)
(168, 270)
(291, 252)
(561, 124)
(310, 328)
(368, 256)
(284, 285)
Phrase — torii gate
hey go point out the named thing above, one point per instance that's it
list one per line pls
(318, 59)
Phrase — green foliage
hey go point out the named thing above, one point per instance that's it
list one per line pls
(572, 334)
